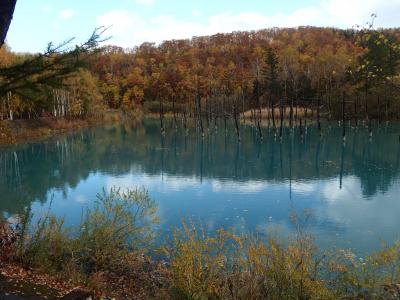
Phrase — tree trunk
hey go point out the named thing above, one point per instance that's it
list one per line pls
(281, 128)
(199, 113)
(162, 117)
(291, 114)
(174, 112)
(273, 115)
(236, 115)
(343, 117)
(355, 111)
(11, 114)
(318, 115)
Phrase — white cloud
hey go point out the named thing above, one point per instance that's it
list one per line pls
(46, 8)
(145, 2)
(67, 14)
(351, 187)
(372, 220)
(196, 13)
(81, 199)
(247, 187)
(304, 187)
(129, 29)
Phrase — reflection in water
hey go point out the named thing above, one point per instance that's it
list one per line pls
(352, 188)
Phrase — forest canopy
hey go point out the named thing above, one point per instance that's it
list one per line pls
(228, 74)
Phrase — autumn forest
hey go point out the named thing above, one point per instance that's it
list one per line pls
(304, 73)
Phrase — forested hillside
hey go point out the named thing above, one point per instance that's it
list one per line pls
(322, 72)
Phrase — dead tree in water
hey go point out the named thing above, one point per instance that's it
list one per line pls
(281, 112)
(185, 121)
(174, 112)
(225, 114)
(272, 103)
(236, 117)
(355, 110)
(162, 116)
(209, 113)
(271, 79)
(305, 104)
(379, 110)
(301, 128)
(367, 118)
(343, 118)
(256, 95)
(215, 114)
(199, 114)
(318, 114)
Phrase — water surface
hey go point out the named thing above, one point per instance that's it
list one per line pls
(349, 192)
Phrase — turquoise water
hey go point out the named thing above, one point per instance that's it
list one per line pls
(346, 195)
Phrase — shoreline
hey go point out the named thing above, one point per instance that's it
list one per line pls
(33, 130)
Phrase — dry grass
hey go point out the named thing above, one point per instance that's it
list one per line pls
(12, 132)
(266, 113)
(221, 265)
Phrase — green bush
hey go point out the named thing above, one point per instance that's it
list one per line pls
(120, 223)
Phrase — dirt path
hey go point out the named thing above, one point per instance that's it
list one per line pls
(16, 289)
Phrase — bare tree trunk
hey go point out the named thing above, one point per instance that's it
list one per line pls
(1, 109)
(199, 113)
(281, 127)
(224, 110)
(174, 112)
(185, 121)
(379, 109)
(318, 115)
(305, 114)
(355, 111)
(273, 114)
(291, 114)
(11, 114)
(162, 117)
(236, 115)
(301, 128)
(259, 118)
(343, 117)
(366, 103)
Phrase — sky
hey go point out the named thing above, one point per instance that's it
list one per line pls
(132, 22)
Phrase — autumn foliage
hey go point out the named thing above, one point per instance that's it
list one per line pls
(224, 75)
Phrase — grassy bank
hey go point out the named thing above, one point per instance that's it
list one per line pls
(13, 132)
(109, 253)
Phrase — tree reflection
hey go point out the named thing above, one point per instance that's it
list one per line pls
(29, 172)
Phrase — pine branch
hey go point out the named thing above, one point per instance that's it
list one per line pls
(48, 69)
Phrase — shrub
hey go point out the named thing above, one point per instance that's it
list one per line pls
(8, 238)
(229, 266)
(120, 222)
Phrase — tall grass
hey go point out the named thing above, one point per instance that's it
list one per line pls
(120, 223)
(118, 230)
(231, 266)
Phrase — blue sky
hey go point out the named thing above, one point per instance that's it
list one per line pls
(37, 22)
